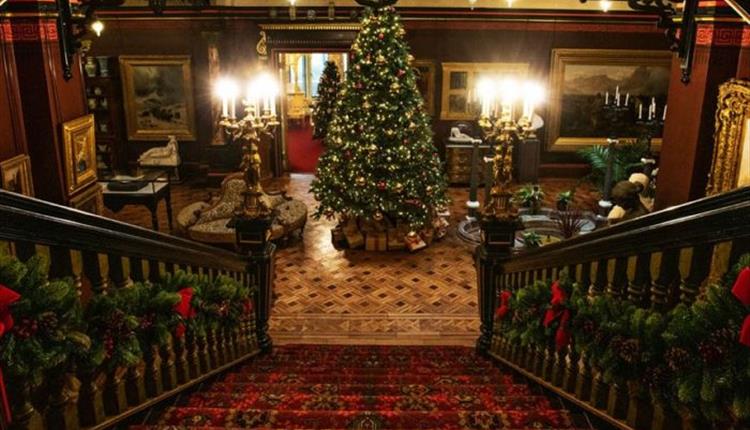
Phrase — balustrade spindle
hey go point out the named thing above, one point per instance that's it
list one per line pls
(700, 267)
(668, 275)
(618, 285)
(117, 271)
(95, 272)
(136, 269)
(639, 286)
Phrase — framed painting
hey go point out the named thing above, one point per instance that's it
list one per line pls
(79, 144)
(426, 83)
(158, 97)
(460, 80)
(580, 79)
(16, 175)
(730, 167)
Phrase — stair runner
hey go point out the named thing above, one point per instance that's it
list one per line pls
(367, 387)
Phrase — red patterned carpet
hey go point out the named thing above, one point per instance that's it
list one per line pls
(367, 387)
(303, 151)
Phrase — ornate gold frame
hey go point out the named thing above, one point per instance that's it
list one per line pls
(472, 69)
(79, 144)
(127, 63)
(23, 164)
(563, 57)
(429, 100)
(730, 167)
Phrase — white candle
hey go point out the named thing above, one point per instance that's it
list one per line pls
(224, 105)
(664, 116)
(232, 107)
(606, 98)
(627, 98)
(640, 111)
(273, 107)
(617, 95)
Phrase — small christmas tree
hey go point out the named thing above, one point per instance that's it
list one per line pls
(380, 164)
(328, 90)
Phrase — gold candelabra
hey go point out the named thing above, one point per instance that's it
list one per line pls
(259, 120)
(503, 132)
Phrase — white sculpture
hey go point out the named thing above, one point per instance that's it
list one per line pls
(162, 156)
(458, 137)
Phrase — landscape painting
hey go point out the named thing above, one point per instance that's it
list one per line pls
(158, 96)
(580, 81)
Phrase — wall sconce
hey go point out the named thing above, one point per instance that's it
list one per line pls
(74, 22)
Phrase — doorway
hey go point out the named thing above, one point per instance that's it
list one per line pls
(302, 72)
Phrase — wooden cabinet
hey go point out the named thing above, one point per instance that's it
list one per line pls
(104, 101)
(458, 162)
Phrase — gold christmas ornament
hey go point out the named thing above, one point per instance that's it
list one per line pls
(378, 216)
(361, 181)
(398, 187)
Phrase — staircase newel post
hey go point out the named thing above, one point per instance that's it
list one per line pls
(498, 237)
(252, 236)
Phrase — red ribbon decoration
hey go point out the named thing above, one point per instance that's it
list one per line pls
(7, 298)
(741, 291)
(247, 307)
(555, 311)
(504, 307)
(184, 309)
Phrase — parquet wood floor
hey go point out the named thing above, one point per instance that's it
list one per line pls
(323, 295)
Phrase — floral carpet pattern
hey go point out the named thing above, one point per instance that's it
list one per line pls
(367, 387)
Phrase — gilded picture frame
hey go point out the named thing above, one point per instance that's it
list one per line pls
(730, 167)
(460, 80)
(16, 175)
(426, 83)
(158, 96)
(79, 144)
(579, 80)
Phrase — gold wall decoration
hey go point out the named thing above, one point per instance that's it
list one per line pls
(426, 83)
(262, 47)
(580, 78)
(460, 81)
(79, 144)
(16, 175)
(158, 95)
(730, 167)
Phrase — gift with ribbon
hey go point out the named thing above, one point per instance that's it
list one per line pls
(504, 306)
(741, 290)
(558, 311)
(184, 309)
(7, 298)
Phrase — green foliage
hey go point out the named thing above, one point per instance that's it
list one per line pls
(530, 196)
(48, 325)
(328, 90)
(564, 199)
(380, 156)
(112, 329)
(625, 158)
(531, 239)
(689, 357)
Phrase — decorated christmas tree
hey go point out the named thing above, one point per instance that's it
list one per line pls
(328, 90)
(380, 170)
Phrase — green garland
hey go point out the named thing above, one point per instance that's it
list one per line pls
(689, 358)
(48, 327)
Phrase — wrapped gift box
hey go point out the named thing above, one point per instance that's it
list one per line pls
(376, 241)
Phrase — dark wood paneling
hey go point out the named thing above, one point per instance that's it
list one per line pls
(12, 133)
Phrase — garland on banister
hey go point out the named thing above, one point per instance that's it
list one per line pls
(46, 333)
(694, 358)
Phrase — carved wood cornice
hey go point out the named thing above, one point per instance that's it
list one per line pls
(732, 116)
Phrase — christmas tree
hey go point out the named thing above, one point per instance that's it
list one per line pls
(328, 90)
(380, 164)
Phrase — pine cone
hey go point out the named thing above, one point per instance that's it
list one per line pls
(588, 327)
(630, 350)
(677, 358)
(48, 321)
(25, 328)
(725, 337)
(710, 352)
(657, 377)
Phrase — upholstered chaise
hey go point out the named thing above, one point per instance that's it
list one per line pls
(207, 221)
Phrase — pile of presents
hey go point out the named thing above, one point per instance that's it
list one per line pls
(386, 235)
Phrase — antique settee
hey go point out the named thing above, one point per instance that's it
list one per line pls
(206, 221)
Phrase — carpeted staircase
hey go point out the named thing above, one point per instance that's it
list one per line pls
(367, 387)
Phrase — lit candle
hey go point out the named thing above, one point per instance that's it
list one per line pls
(224, 105)
(640, 111)
(606, 98)
(664, 116)
(233, 106)
(617, 95)
(627, 98)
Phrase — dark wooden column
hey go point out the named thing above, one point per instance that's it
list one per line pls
(12, 132)
(688, 132)
(48, 100)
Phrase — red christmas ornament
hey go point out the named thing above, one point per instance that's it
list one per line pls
(184, 309)
(7, 298)
(503, 309)
(381, 36)
(741, 290)
(381, 185)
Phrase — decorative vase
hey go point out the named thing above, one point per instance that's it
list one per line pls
(90, 67)
(103, 66)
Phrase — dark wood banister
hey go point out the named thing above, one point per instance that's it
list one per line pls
(40, 222)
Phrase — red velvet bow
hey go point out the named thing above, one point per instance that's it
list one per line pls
(741, 290)
(184, 309)
(504, 307)
(555, 311)
(7, 298)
